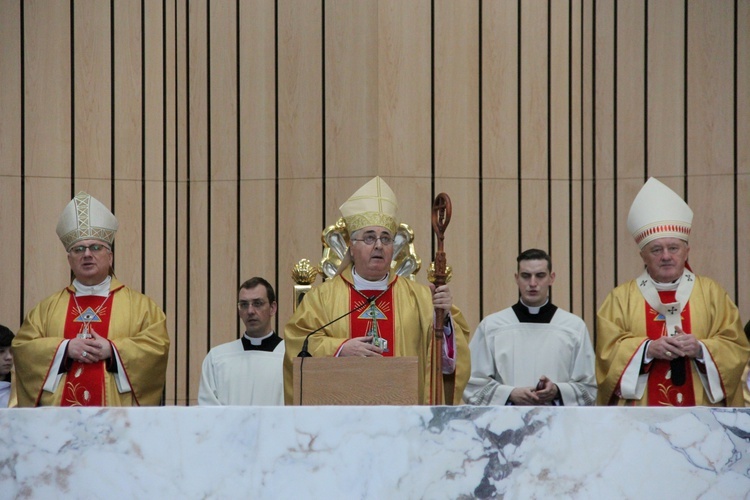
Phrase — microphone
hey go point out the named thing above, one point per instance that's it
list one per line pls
(304, 353)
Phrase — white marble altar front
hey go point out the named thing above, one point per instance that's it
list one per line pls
(375, 453)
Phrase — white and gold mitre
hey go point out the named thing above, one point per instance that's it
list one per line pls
(374, 204)
(658, 212)
(86, 218)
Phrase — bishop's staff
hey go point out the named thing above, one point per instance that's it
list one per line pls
(441, 216)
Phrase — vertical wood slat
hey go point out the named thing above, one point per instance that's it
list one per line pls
(360, 94)
(12, 245)
(351, 95)
(534, 132)
(665, 94)
(560, 220)
(170, 188)
(128, 122)
(404, 90)
(351, 103)
(456, 115)
(500, 136)
(404, 113)
(710, 162)
(604, 146)
(742, 89)
(300, 130)
(575, 159)
(47, 52)
(630, 130)
(177, 201)
(224, 204)
(666, 89)
(588, 53)
(154, 247)
(92, 92)
(198, 191)
(257, 154)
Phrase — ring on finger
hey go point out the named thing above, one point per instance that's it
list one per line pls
(669, 353)
(84, 354)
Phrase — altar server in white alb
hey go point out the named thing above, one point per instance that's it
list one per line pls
(532, 353)
(668, 337)
(249, 370)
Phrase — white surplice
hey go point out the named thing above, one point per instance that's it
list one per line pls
(506, 353)
(233, 376)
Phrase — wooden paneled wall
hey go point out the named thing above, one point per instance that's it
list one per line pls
(225, 134)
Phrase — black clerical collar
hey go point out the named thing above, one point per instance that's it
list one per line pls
(544, 316)
(268, 344)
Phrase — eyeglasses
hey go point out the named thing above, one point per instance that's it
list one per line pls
(244, 305)
(370, 239)
(81, 249)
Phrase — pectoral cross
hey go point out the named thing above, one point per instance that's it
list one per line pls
(373, 314)
(377, 340)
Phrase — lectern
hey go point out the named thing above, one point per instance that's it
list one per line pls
(355, 381)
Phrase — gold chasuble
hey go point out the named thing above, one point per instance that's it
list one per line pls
(403, 316)
(136, 329)
(625, 321)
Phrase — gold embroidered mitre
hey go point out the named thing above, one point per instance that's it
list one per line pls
(658, 212)
(86, 218)
(374, 204)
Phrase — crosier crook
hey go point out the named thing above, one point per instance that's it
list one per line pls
(441, 216)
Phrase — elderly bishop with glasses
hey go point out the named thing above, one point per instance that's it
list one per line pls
(95, 342)
(670, 337)
(390, 315)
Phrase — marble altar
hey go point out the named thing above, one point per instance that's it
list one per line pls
(409, 452)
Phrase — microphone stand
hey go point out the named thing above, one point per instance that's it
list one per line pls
(304, 353)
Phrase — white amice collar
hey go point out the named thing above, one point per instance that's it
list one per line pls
(257, 341)
(666, 287)
(534, 310)
(100, 290)
(363, 284)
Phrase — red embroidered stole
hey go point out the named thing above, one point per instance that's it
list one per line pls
(379, 315)
(661, 391)
(84, 384)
